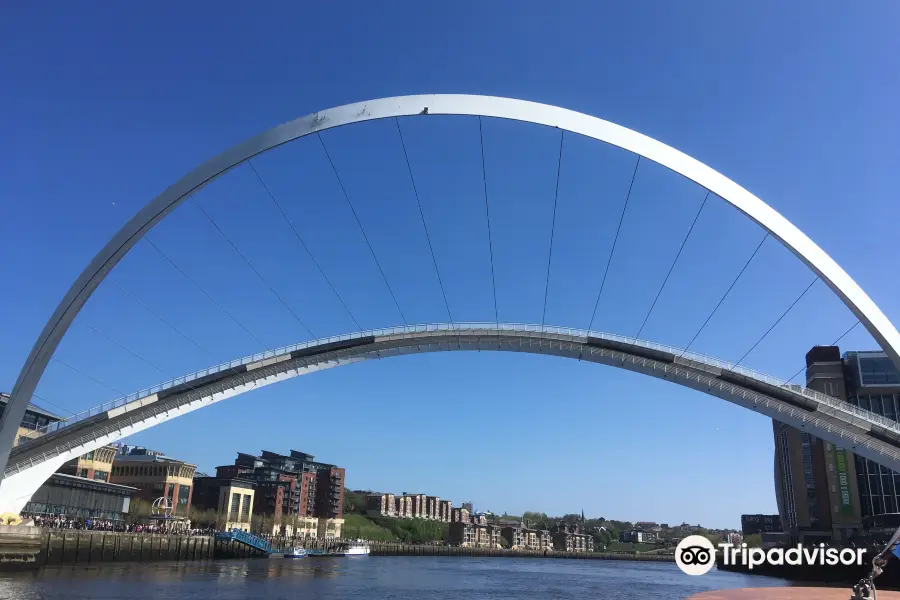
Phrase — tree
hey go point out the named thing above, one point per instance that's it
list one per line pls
(536, 520)
(753, 540)
(262, 523)
(354, 503)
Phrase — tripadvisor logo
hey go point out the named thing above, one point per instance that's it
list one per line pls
(696, 555)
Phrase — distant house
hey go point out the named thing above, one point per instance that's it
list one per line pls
(639, 536)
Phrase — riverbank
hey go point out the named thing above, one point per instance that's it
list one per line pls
(23, 548)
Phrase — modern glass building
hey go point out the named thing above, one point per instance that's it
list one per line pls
(873, 383)
(825, 491)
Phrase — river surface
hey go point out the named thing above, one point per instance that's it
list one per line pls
(375, 577)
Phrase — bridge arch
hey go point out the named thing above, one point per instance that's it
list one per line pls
(780, 228)
(841, 423)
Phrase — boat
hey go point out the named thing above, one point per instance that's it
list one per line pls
(295, 552)
(357, 548)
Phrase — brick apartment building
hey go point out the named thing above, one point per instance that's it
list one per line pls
(381, 505)
(446, 511)
(570, 538)
(474, 535)
(294, 485)
(410, 506)
(460, 515)
(514, 536)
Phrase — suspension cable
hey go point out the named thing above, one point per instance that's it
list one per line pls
(92, 378)
(725, 295)
(487, 213)
(302, 243)
(615, 240)
(422, 215)
(671, 268)
(783, 315)
(42, 399)
(163, 320)
(359, 223)
(128, 350)
(203, 291)
(552, 227)
(252, 268)
(834, 343)
(173, 328)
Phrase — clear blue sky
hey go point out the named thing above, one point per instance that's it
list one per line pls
(104, 105)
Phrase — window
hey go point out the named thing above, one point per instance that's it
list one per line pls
(245, 507)
(889, 407)
(875, 402)
(864, 401)
(875, 485)
(101, 475)
(877, 370)
(235, 504)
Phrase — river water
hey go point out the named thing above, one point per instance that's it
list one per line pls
(376, 578)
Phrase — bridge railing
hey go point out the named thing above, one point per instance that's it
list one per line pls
(460, 327)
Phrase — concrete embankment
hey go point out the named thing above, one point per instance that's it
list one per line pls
(389, 549)
(33, 547)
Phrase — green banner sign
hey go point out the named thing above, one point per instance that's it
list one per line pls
(843, 481)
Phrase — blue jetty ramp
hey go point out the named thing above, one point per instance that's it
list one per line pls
(247, 539)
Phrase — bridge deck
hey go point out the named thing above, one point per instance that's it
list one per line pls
(831, 418)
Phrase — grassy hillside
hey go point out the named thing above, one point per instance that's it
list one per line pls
(417, 531)
(359, 526)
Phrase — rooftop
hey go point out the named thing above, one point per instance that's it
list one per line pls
(147, 458)
(63, 478)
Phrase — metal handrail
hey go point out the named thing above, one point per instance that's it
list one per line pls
(499, 328)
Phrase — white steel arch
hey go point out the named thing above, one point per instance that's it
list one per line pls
(780, 228)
